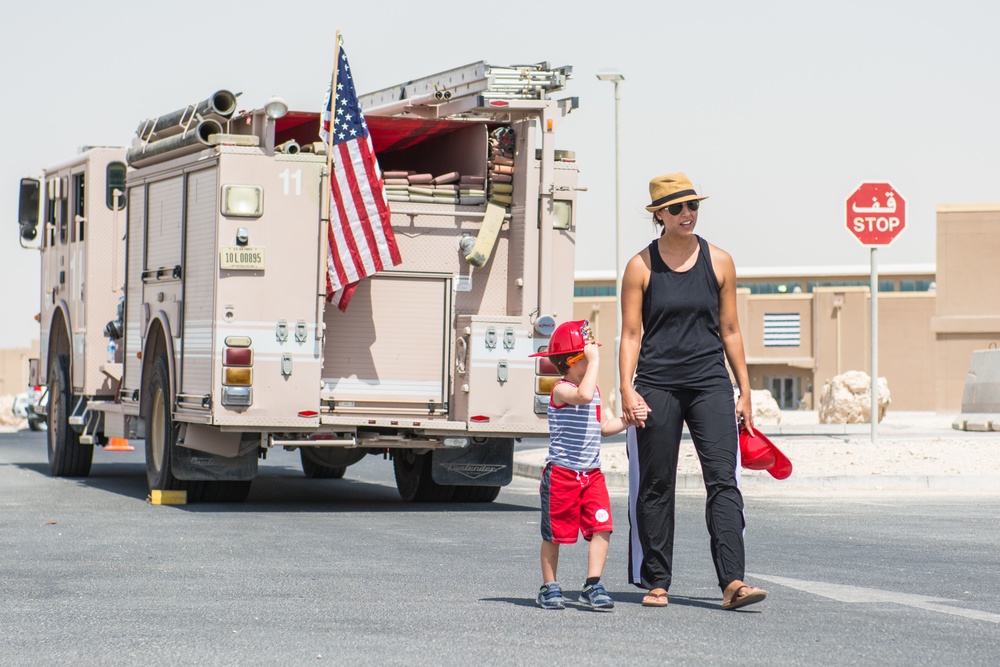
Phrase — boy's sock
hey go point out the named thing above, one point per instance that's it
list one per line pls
(591, 581)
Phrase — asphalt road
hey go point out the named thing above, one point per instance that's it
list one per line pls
(311, 572)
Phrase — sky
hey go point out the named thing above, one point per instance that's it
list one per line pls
(777, 110)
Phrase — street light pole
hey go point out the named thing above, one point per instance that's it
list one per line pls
(617, 78)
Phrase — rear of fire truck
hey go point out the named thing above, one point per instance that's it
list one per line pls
(228, 347)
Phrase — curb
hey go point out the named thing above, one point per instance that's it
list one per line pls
(763, 481)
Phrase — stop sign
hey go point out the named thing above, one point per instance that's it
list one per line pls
(876, 214)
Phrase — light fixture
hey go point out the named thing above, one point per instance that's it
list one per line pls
(243, 201)
(610, 75)
(275, 108)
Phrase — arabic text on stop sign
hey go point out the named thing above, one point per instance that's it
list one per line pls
(875, 224)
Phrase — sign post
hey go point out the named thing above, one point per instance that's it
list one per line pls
(876, 214)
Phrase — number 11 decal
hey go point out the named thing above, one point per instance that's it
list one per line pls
(287, 176)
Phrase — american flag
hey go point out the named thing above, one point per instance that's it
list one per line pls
(360, 234)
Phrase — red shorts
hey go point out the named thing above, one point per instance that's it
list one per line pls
(572, 503)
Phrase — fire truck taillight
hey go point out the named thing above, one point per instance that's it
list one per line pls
(238, 356)
(237, 372)
(546, 376)
(241, 377)
(546, 367)
(543, 385)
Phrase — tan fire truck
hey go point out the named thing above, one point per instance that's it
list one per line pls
(184, 290)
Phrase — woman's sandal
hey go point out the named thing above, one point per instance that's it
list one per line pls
(741, 595)
(655, 598)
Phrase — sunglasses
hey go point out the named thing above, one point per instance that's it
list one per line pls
(675, 209)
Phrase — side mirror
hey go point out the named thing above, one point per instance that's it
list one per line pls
(27, 208)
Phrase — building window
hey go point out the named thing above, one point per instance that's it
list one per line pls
(782, 329)
(914, 285)
(594, 290)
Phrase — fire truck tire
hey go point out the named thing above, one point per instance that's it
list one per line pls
(316, 470)
(161, 435)
(67, 457)
(413, 478)
(224, 491)
(475, 494)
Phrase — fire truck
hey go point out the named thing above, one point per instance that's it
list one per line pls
(183, 290)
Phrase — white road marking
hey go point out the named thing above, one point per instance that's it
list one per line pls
(857, 594)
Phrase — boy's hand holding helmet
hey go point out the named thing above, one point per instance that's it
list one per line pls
(571, 338)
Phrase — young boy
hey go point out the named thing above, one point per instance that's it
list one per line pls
(573, 493)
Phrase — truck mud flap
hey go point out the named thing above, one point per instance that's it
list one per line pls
(487, 464)
(190, 464)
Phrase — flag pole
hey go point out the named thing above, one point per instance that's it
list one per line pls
(333, 105)
(326, 208)
(328, 193)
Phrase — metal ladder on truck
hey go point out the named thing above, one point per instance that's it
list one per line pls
(473, 91)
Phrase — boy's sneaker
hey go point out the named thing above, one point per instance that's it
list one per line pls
(595, 597)
(550, 596)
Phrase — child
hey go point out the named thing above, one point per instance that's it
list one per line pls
(573, 493)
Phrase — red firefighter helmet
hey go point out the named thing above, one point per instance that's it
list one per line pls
(757, 452)
(568, 338)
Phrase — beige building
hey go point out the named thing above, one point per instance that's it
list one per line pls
(802, 326)
(14, 369)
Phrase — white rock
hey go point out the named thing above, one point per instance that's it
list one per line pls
(765, 409)
(846, 399)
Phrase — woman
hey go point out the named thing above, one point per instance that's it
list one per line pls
(679, 325)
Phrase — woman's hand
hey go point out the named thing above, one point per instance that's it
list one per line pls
(634, 408)
(744, 412)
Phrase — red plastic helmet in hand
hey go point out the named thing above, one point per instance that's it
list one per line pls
(569, 337)
(757, 452)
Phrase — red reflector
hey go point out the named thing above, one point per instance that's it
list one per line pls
(238, 356)
(479, 418)
(546, 367)
(499, 103)
(322, 436)
(308, 413)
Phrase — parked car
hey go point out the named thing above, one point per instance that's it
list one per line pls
(24, 406)
(20, 407)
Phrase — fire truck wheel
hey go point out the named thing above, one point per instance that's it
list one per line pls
(67, 457)
(161, 434)
(475, 494)
(316, 470)
(413, 478)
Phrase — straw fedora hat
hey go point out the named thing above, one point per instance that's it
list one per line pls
(671, 189)
(757, 452)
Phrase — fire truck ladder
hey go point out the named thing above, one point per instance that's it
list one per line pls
(473, 91)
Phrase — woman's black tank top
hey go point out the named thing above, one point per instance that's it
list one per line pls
(681, 347)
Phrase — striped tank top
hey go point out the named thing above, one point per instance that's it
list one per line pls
(575, 434)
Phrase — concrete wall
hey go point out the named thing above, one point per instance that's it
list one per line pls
(906, 350)
(14, 369)
(967, 310)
